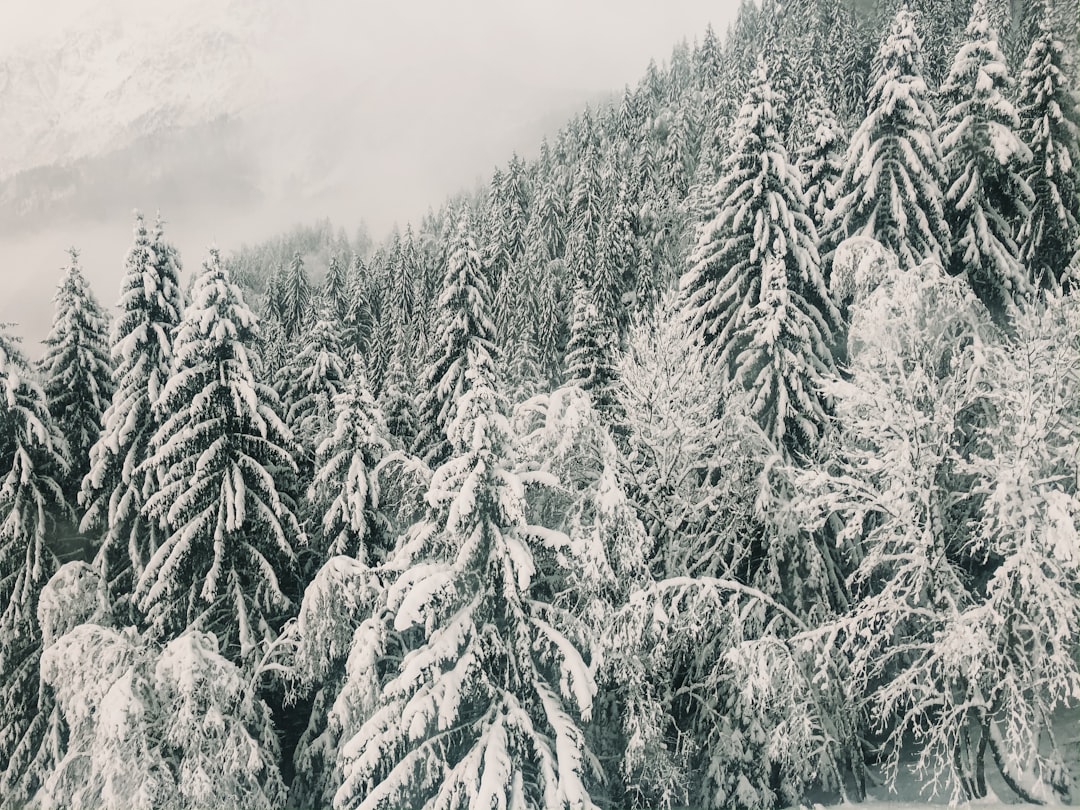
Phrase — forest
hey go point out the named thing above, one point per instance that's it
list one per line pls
(725, 454)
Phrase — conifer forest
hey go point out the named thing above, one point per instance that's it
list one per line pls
(722, 453)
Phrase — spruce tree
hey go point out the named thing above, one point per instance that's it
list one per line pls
(309, 381)
(344, 495)
(117, 485)
(485, 707)
(891, 189)
(336, 290)
(754, 296)
(592, 353)
(984, 160)
(33, 461)
(295, 297)
(77, 371)
(221, 459)
(359, 320)
(463, 328)
(821, 159)
(1049, 236)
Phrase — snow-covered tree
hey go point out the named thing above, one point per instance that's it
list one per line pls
(294, 293)
(680, 459)
(221, 461)
(754, 296)
(117, 485)
(337, 290)
(821, 158)
(1049, 119)
(33, 460)
(891, 188)
(592, 352)
(344, 495)
(948, 475)
(314, 374)
(566, 438)
(178, 728)
(76, 370)
(359, 321)
(463, 327)
(484, 709)
(984, 161)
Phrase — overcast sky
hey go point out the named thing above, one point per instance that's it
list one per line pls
(407, 101)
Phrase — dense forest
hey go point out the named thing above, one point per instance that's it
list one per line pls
(725, 454)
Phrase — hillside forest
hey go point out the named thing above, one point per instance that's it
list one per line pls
(723, 454)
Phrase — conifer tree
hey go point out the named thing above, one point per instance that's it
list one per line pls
(1049, 120)
(891, 189)
(77, 371)
(821, 159)
(310, 380)
(485, 708)
(359, 320)
(464, 326)
(336, 290)
(398, 403)
(984, 159)
(592, 354)
(295, 297)
(221, 457)
(33, 460)
(344, 495)
(117, 485)
(754, 297)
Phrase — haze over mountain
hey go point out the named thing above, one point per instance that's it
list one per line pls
(236, 123)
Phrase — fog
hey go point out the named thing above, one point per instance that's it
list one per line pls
(237, 122)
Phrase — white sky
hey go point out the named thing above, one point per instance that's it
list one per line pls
(412, 100)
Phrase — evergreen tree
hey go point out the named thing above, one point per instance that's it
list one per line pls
(485, 708)
(821, 159)
(295, 297)
(592, 354)
(1049, 236)
(33, 459)
(310, 380)
(359, 320)
(984, 159)
(336, 291)
(892, 181)
(464, 328)
(754, 296)
(221, 457)
(344, 495)
(77, 371)
(117, 485)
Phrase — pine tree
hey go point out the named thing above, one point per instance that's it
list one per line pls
(77, 371)
(295, 297)
(821, 159)
(117, 485)
(336, 290)
(344, 494)
(33, 460)
(892, 181)
(464, 328)
(754, 296)
(485, 709)
(984, 160)
(1050, 235)
(221, 457)
(310, 380)
(592, 355)
(359, 321)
